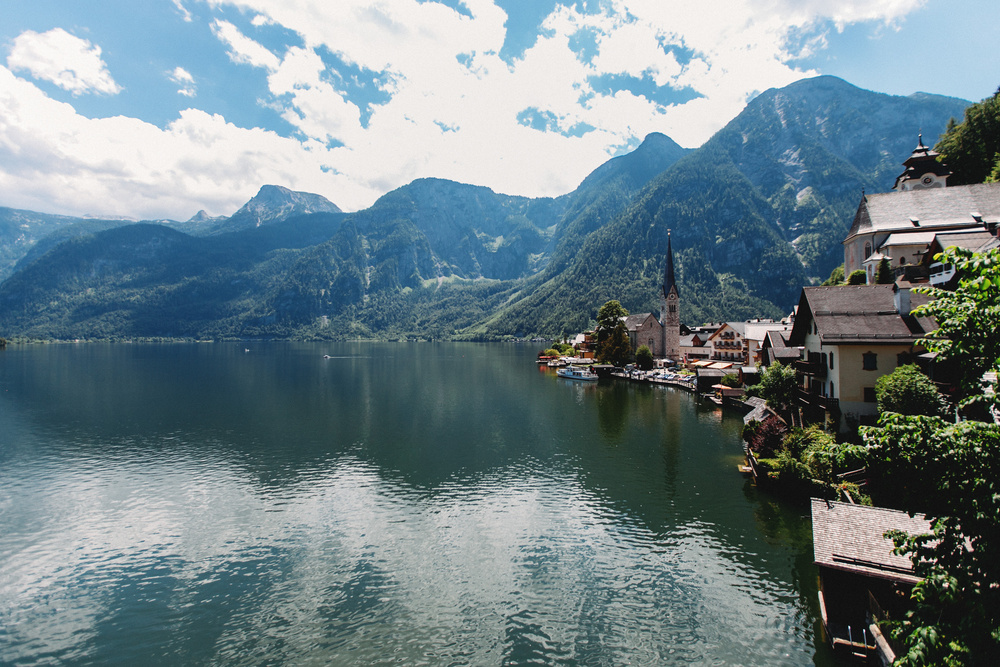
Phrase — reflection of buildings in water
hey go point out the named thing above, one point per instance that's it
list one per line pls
(709, 414)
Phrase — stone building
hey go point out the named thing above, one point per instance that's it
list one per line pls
(661, 334)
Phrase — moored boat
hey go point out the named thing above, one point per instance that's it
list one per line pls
(577, 373)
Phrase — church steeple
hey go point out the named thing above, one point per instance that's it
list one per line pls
(668, 274)
(670, 317)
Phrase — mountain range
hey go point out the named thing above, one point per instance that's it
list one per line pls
(754, 214)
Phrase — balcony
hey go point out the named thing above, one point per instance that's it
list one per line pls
(809, 399)
(814, 369)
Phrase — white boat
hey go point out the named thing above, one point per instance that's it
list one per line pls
(577, 373)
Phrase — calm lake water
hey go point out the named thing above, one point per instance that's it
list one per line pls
(438, 504)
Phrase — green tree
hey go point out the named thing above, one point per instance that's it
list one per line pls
(857, 277)
(951, 472)
(971, 149)
(836, 277)
(777, 386)
(730, 380)
(644, 358)
(613, 346)
(908, 391)
(968, 319)
(883, 274)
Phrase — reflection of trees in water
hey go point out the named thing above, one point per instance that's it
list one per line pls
(612, 410)
(782, 523)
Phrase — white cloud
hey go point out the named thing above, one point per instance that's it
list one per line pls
(447, 119)
(69, 62)
(436, 100)
(183, 11)
(183, 78)
(55, 160)
(242, 49)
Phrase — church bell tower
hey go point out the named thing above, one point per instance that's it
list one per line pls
(670, 317)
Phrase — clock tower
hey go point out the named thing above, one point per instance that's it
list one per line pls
(670, 317)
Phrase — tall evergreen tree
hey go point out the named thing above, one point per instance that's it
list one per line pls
(883, 274)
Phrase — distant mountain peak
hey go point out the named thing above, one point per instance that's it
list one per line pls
(203, 216)
(275, 203)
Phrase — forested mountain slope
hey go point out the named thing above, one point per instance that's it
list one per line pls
(754, 214)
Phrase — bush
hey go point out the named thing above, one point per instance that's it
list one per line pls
(766, 437)
(644, 358)
(908, 391)
(857, 277)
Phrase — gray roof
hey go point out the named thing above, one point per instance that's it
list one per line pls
(688, 341)
(863, 314)
(669, 283)
(759, 410)
(777, 338)
(971, 240)
(632, 322)
(851, 538)
(933, 208)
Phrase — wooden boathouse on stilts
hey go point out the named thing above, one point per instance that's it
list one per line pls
(861, 582)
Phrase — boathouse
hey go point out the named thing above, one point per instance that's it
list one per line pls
(861, 580)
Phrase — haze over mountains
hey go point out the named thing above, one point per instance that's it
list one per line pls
(755, 213)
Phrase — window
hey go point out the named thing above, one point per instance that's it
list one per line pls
(869, 394)
(870, 361)
(868, 250)
(831, 361)
(833, 394)
(903, 358)
(672, 308)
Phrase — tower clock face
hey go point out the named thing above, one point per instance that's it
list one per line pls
(927, 180)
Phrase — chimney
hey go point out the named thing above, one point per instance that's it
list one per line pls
(901, 297)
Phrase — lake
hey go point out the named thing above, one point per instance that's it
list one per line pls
(396, 503)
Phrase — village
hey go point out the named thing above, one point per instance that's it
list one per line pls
(812, 385)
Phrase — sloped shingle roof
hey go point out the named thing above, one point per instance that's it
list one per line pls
(851, 538)
(633, 322)
(858, 314)
(932, 208)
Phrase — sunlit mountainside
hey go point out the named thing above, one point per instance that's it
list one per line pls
(755, 213)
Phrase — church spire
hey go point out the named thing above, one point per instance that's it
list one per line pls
(668, 274)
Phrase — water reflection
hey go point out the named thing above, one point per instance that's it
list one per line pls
(427, 504)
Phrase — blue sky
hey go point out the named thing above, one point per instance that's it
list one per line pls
(160, 108)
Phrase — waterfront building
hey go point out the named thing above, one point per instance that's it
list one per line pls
(661, 334)
(862, 582)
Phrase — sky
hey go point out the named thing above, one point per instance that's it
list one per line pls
(162, 108)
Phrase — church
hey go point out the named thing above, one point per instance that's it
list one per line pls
(661, 335)
(920, 213)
